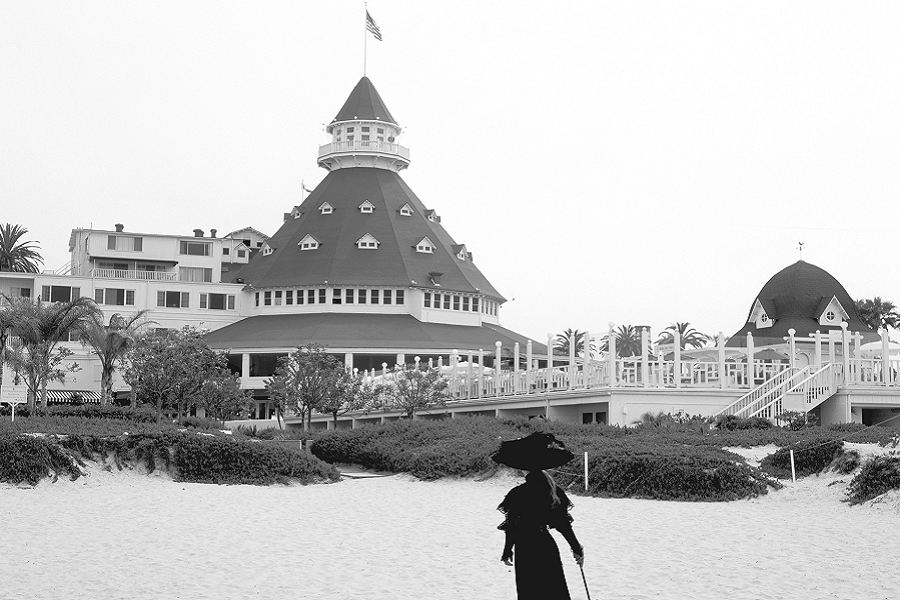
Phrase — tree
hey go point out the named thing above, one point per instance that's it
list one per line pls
(40, 327)
(352, 393)
(168, 368)
(689, 336)
(111, 343)
(223, 398)
(878, 313)
(628, 341)
(6, 323)
(561, 344)
(306, 380)
(15, 255)
(413, 387)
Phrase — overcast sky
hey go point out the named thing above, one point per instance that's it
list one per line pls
(635, 162)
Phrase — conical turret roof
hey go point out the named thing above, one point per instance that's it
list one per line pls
(794, 298)
(339, 261)
(364, 104)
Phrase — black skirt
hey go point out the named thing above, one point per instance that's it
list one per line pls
(539, 570)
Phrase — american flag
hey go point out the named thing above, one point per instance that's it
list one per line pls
(372, 26)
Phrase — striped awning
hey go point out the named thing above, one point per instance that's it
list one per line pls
(65, 396)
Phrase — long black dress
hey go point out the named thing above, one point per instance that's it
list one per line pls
(529, 514)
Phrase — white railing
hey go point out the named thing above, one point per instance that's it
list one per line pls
(125, 274)
(364, 146)
(763, 395)
(818, 386)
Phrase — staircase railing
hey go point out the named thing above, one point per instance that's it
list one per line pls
(762, 395)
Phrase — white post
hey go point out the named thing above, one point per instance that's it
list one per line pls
(571, 361)
(529, 357)
(469, 376)
(885, 357)
(549, 360)
(645, 361)
(831, 355)
(515, 386)
(498, 346)
(480, 375)
(793, 471)
(818, 337)
(611, 356)
(846, 339)
(454, 361)
(751, 361)
(676, 335)
(586, 370)
(721, 342)
(792, 348)
(585, 471)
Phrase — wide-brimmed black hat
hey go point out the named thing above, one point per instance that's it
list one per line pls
(533, 453)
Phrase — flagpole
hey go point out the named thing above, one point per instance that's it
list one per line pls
(365, 37)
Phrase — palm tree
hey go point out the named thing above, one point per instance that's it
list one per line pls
(688, 336)
(41, 326)
(110, 343)
(878, 313)
(6, 323)
(628, 341)
(16, 255)
(561, 344)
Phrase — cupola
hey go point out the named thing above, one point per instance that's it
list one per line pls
(363, 134)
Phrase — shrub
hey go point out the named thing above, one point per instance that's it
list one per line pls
(878, 475)
(810, 456)
(845, 462)
(201, 423)
(30, 458)
(735, 423)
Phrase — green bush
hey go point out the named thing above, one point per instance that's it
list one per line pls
(810, 456)
(31, 458)
(736, 423)
(879, 475)
(845, 462)
(201, 423)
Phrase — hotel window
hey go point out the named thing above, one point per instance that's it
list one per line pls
(124, 243)
(400, 297)
(350, 130)
(225, 251)
(278, 296)
(455, 302)
(195, 248)
(367, 207)
(257, 298)
(230, 301)
(308, 243)
(337, 131)
(406, 211)
(386, 296)
(465, 303)
(361, 296)
(114, 297)
(289, 297)
(336, 296)
(365, 138)
(425, 245)
(242, 253)
(322, 295)
(267, 298)
(195, 274)
(367, 242)
(173, 299)
(310, 296)
(59, 293)
(380, 131)
(427, 299)
(326, 209)
(364, 129)
(374, 297)
(348, 296)
(475, 304)
(447, 301)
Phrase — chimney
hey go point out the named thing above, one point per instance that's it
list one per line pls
(198, 233)
(119, 227)
(212, 233)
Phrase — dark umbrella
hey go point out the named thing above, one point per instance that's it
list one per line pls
(535, 452)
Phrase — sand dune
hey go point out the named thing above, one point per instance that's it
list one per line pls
(126, 535)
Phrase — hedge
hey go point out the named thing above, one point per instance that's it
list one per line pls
(878, 475)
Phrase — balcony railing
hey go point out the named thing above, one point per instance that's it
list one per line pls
(145, 275)
(364, 146)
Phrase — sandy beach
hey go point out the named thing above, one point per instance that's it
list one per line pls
(129, 535)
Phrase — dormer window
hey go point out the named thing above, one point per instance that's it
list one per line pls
(431, 216)
(367, 207)
(308, 243)
(460, 251)
(267, 250)
(406, 210)
(367, 242)
(426, 246)
(831, 312)
(326, 209)
(295, 213)
(760, 317)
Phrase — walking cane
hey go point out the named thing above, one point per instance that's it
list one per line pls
(586, 590)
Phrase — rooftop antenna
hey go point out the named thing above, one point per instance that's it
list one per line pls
(800, 248)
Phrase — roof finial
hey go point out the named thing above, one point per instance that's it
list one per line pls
(800, 247)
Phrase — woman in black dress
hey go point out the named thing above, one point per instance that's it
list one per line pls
(532, 509)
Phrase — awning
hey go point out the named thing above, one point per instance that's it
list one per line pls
(68, 396)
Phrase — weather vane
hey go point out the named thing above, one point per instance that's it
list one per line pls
(800, 247)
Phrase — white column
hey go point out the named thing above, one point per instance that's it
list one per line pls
(571, 362)
(792, 348)
(611, 356)
(245, 367)
(845, 335)
(645, 361)
(515, 386)
(586, 370)
(751, 362)
(498, 347)
(469, 376)
(885, 357)
(480, 372)
(831, 355)
(818, 337)
(549, 377)
(454, 361)
(348, 361)
(529, 357)
(721, 343)
(676, 335)
(401, 359)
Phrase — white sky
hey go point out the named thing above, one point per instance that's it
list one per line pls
(635, 162)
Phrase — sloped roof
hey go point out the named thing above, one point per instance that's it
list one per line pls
(375, 331)
(338, 260)
(364, 104)
(796, 293)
